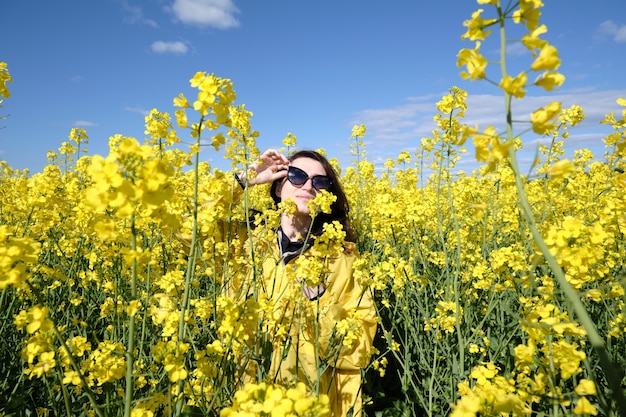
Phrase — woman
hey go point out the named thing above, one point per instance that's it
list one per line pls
(311, 343)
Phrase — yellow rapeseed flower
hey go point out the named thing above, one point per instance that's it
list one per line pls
(561, 169)
(290, 140)
(37, 319)
(531, 40)
(585, 387)
(550, 79)
(321, 203)
(16, 253)
(44, 365)
(5, 77)
(476, 26)
(181, 102)
(175, 368)
(358, 131)
(525, 354)
(467, 406)
(543, 118)
(107, 363)
(474, 62)
(528, 13)
(584, 407)
(71, 377)
(548, 59)
(514, 86)
(276, 401)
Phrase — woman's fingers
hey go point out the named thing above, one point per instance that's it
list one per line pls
(270, 166)
(281, 173)
(276, 157)
(273, 160)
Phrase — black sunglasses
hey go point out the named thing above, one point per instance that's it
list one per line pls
(298, 177)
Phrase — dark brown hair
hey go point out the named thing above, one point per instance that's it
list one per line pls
(340, 209)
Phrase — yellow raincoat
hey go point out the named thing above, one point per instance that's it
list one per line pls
(309, 346)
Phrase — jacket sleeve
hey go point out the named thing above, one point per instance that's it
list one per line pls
(353, 305)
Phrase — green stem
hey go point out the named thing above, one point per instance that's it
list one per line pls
(431, 381)
(51, 395)
(66, 397)
(246, 207)
(128, 394)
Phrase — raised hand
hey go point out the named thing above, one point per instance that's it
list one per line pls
(270, 166)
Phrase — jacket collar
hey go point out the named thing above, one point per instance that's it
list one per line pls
(288, 249)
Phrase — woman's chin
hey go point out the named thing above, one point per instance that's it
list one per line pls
(303, 212)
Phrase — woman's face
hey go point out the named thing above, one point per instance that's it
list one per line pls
(301, 194)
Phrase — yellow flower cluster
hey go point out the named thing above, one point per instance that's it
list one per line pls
(15, 256)
(131, 175)
(106, 363)
(5, 77)
(239, 322)
(447, 317)
(491, 395)
(276, 401)
(321, 203)
(616, 140)
(350, 329)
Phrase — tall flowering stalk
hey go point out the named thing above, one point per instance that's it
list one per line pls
(214, 99)
(495, 149)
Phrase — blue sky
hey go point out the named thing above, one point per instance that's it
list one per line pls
(313, 68)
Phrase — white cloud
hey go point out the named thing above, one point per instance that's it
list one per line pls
(139, 110)
(396, 125)
(612, 29)
(216, 13)
(174, 47)
(134, 15)
(390, 130)
(84, 123)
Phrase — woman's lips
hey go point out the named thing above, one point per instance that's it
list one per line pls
(305, 197)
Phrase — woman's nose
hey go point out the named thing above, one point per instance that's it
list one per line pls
(308, 184)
